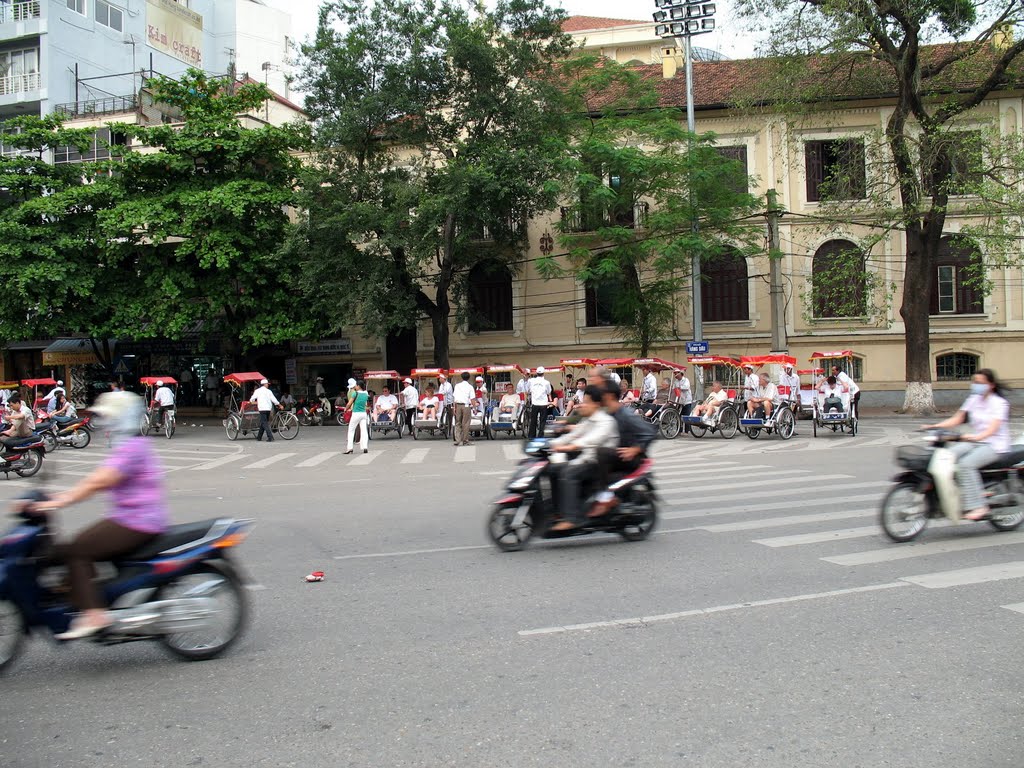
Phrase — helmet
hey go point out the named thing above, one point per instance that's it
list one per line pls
(160, 383)
(540, 369)
(120, 410)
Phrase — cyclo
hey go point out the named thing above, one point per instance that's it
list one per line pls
(667, 417)
(37, 399)
(782, 420)
(843, 418)
(243, 416)
(155, 418)
(391, 422)
(441, 425)
(503, 378)
(725, 420)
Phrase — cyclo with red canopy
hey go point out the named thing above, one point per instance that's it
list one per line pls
(153, 418)
(37, 401)
(386, 422)
(441, 423)
(503, 378)
(782, 421)
(668, 416)
(844, 417)
(726, 419)
(243, 415)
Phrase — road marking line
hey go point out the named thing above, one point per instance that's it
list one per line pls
(820, 536)
(218, 462)
(717, 470)
(320, 458)
(263, 463)
(411, 552)
(777, 522)
(906, 551)
(754, 476)
(513, 452)
(363, 458)
(465, 453)
(1018, 607)
(640, 621)
(415, 456)
(705, 500)
(961, 576)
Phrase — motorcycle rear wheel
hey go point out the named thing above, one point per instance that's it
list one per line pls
(504, 536)
(31, 462)
(12, 633)
(80, 438)
(1007, 518)
(647, 512)
(304, 418)
(899, 524)
(225, 626)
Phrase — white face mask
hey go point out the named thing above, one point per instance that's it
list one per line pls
(979, 389)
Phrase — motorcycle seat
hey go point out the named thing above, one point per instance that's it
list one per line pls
(18, 442)
(174, 536)
(1006, 460)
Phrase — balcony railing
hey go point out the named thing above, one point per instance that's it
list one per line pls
(110, 106)
(482, 233)
(575, 220)
(11, 84)
(20, 10)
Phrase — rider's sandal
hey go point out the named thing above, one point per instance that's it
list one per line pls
(978, 515)
(565, 525)
(82, 631)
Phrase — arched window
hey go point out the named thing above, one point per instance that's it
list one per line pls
(955, 366)
(724, 287)
(838, 280)
(957, 282)
(490, 297)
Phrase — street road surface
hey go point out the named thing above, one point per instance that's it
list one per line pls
(768, 623)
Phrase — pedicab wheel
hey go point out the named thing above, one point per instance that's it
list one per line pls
(643, 519)
(505, 537)
(753, 432)
(232, 425)
(490, 432)
(698, 430)
(29, 463)
(287, 425)
(169, 425)
(785, 424)
(853, 427)
(80, 438)
(12, 633)
(49, 441)
(904, 512)
(670, 424)
(226, 618)
(728, 423)
(144, 424)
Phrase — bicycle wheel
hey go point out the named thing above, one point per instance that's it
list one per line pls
(168, 425)
(670, 423)
(232, 425)
(287, 425)
(728, 423)
(785, 423)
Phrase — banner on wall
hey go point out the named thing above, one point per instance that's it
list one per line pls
(175, 30)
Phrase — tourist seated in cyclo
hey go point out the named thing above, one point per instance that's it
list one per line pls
(708, 410)
(385, 408)
(574, 395)
(509, 403)
(626, 396)
(660, 398)
(766, 398)
(830, 394)
(429, 404)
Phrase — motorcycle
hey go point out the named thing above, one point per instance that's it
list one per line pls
(23, 456)
(181, 589)
(524, 510)
(77, 433)
(310, 414)
(926, 488)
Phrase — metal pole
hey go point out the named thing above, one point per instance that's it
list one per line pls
(695, 266)
(780, 341)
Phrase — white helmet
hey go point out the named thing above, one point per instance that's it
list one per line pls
(120, 411)
(160, 382)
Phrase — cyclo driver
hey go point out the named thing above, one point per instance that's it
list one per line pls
(163, 400)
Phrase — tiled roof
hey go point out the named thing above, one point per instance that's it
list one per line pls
(587, 23)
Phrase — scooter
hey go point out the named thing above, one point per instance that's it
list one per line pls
(181, 589)
(77, 433)
(310, 414)
(525, 510)
(926, 488)
(21, 455)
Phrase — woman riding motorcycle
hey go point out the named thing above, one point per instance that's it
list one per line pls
(139, 513)
(988, 413)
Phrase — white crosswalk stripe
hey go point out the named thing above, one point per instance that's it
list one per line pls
(217, 463)
(924, 550)
(714, 510)
(269, 461)
(364, 458)
(819, 537)
(962, 576)
(415, 456)
(512, 452)
(320, 458)
(465, 453)
(759, 479)
(778, 522)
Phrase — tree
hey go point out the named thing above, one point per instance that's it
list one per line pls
(637, 182)
(433, 124)
(872, 47)
(200, 210)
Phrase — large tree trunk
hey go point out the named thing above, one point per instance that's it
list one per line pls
(916, 313)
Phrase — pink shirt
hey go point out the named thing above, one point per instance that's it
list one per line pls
(139, 499)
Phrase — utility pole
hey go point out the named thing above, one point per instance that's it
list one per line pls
(780, 341)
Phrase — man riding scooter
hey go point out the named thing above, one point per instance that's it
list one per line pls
(635, 437)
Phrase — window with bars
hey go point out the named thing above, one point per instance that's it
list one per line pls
(838, 280)
(724, 287)
(737, 178)
(957, 282)
(956, 366)
(490, 298)
(852, 367)
(836, 170)
(109, 15)
(100, 149)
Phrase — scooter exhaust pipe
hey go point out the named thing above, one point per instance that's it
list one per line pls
(164, 616)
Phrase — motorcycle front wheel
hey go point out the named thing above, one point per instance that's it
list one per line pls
(12, 633)
(228, 613)
(49, 442)
(504, 536)
(29, 463)
(904, 512)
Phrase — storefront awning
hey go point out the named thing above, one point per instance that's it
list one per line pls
(29, 344)
(70, 352)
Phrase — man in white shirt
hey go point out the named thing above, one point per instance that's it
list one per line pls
(463, 396)
(21, 418)
(523, 386)
(265, 403)
(598, 429)
(712, 402)
(851, 386)
(649, 388)
(789, 379)
(410, 401)
(540, 399)
(751, 382)
(386, 405)
(682, 393)
(766, 397)
(210, 385)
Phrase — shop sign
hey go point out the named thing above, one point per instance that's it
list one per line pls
(325, 347)
(69, 358)
(291, 373)
(176, 30)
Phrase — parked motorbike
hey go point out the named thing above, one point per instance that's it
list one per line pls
(21, 455)
(926, 488)
(77, 433)
(181, 589)
(525, 510)
(44, 430)
(310, 414)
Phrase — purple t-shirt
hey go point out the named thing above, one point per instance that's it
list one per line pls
(139, 501)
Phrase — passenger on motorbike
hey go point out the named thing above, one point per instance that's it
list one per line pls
(635, 437)
(597, 429)
(20, 418)
(63, 412)
(133, 475)
(988, 413)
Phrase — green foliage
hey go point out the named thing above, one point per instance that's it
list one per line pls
(432, 122)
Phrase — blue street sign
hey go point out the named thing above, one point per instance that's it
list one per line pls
(697, 347)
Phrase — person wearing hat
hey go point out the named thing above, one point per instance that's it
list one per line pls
(649, 387)
(446, 393)
(265, 402)
(321, 396)
(20, 416)
(851, 386)
(357, 405)
(163, 400)
(540, 400)
(751, 383)
(138, 514)
(481, 397)
(410, 402)
(789, 379)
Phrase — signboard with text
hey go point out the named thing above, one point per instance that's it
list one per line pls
(291, 375)
(175, 30)
(697, 347)
(325, 347)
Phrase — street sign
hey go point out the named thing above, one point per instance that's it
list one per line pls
(121, 367)
(697, 347)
